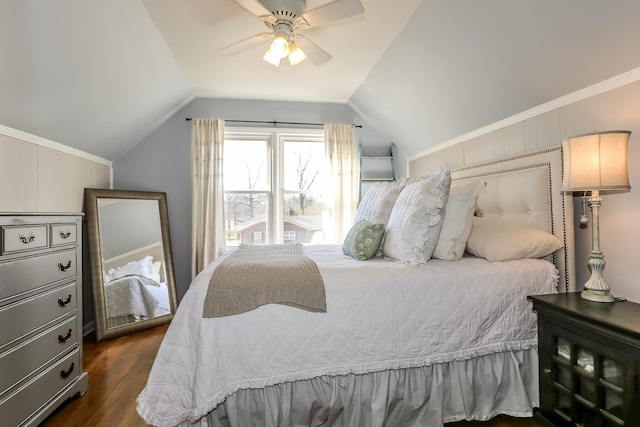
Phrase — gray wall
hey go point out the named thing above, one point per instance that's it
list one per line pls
(127, 225)
(161, 162)
(614, 109)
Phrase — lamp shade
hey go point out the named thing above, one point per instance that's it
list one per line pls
(596, 161)
(296, 55)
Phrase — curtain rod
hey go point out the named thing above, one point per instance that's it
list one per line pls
(274, 123)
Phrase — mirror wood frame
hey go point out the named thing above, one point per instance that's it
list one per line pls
(91, 196)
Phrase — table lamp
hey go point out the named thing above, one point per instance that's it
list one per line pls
(592, 163)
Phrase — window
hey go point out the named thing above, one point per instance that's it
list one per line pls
(273, 185)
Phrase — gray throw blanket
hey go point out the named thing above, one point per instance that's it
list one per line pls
(255, 275)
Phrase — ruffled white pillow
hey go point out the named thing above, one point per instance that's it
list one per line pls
(458, 217)
(142, 267)
(502, 241)
(416, 219)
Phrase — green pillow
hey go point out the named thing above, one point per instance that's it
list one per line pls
(363, 240)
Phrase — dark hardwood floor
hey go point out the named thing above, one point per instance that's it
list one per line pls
(118, 371)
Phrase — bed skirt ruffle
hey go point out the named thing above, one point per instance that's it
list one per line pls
(474, 389)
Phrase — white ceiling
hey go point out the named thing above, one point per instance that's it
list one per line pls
(196, 29)
(101, 75)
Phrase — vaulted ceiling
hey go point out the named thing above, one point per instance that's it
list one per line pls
(101, 75)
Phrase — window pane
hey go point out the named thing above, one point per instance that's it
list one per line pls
(246, 218)
(303, 218)
(303, 164)
(585, 362)
(612, 372)
(303, 198)
(614, 403)
(245, 165)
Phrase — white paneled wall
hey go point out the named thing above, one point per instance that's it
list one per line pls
(35, 178)
(44, 176)
(614, 109)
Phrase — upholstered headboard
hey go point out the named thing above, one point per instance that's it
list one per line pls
(527, 189)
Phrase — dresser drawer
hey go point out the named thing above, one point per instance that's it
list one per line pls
(28, 399)
(63, 234)
(24, 238)
(17, 363)
(26, 274)
(27, 315)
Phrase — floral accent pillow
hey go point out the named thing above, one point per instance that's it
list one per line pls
(417, 217)
(363, 240)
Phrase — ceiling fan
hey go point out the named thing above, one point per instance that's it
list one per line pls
(285, 18)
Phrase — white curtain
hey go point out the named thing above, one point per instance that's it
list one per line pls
(207, 196)
(342, 154)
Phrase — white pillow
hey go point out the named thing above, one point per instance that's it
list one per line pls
(141, 267)
(378, 201)
(458, 217)
(158, 271)
(501, 241)
(416, 219)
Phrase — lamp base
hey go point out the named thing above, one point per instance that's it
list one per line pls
(597, 296)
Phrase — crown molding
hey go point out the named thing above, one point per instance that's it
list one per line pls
(43, 142)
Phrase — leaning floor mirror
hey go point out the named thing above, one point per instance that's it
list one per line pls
(130, 260)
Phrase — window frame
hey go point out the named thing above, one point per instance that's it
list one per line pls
(275, 139)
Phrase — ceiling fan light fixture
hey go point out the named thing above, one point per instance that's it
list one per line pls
(296, 55)
(280, 46)
(271, 58)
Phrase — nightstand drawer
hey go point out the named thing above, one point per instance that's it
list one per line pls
(22, 317)
(19, 362)
(23, 275)
(29, 398)
(24, 238)
(63, 234)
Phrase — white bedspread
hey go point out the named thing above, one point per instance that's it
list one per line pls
(131, 295)
(380, 315)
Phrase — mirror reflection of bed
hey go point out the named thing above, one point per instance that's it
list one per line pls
(131, 262)
(135, 286)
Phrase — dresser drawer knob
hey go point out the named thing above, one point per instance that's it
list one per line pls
(26, 240)
(65, 374)
(65, 235)
(64, 339)
(64, 267)
(62, 302)
(546, 371)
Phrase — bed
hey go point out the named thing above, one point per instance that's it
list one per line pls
(135, 288)
(400, 343)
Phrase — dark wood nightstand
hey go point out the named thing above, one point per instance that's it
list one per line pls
(589, 361)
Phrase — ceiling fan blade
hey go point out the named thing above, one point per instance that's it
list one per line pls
(339, 9)
(254, 7)
(245, 44)
(312, 50)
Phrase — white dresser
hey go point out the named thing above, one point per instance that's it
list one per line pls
(40, 315)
